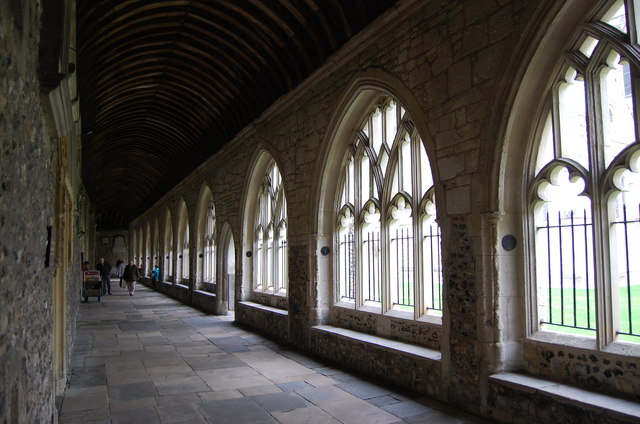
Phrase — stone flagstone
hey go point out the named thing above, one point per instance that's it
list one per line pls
(149, 359)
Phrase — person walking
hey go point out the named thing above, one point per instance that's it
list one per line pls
(120, 269)
(155, 274)
(130, 276)
(105, 275)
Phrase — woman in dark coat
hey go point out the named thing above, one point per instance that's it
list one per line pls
(130, 276)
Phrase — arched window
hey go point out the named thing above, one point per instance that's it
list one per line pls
(209, 270)
(228, 267)
(155, 249)
(133, 239)
(584, 196)
(140, 247)
(182, 269)
(184, 253)
(147, 249)
(270, 229)
(387, 242)
(119, 247)
(168, 248)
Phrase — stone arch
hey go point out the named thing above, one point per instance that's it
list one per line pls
(168, 251)
(259, 165)
(362, 91)
(507, 185)
(156, 254)
(205, 204)
(227, 258)
(120, 246)
(147, 248)
(182, 245)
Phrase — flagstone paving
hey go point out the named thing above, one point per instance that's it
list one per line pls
(150, 359)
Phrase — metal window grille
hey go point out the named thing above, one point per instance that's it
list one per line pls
(432, 255)
(402, 245)
(209, 257)
(185, 263)
(371, 253)
(259, 261)
(269, 264)
(629, 228)
(570, 287)
(346, 268)
(282, 264)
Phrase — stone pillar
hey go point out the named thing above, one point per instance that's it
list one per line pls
(462, 371)
(299, 295)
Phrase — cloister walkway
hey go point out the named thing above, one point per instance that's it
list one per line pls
(150, 359)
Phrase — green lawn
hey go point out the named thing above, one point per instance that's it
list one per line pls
(585, 316)
(404, 300)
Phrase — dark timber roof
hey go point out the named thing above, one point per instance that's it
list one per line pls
(164, 84)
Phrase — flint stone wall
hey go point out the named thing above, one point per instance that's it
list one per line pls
(26, 207)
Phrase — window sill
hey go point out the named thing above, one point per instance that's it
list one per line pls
(205, 293)
(431, 319)
(572, 340)
(265, 308)
(623, 348)
(345, 305)
(408, 315)
(270, 292)
(367, 309)
(371, 309)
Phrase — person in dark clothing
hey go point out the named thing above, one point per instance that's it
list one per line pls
(130, 276)
(105, 275)
(120, 269)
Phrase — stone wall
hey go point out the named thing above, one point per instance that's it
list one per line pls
(274, 323)
(111, 245)
(450, 62)
(403, 330)
(603, 372)
(405, 370)
(26, 206)
(516, 406)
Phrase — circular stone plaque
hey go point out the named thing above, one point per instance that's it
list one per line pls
(509, 242)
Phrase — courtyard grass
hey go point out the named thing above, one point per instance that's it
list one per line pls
(563, 308)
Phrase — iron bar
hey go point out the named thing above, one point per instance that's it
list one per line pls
(626, 249)
(586, 256)
(573, 267)
(561, 269)
(549, 265)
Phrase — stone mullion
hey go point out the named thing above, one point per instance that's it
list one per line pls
(418, 249)
(605, 328)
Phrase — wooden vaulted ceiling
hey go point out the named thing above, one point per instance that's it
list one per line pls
(164, 84)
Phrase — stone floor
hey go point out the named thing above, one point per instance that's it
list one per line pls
(149, 359)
